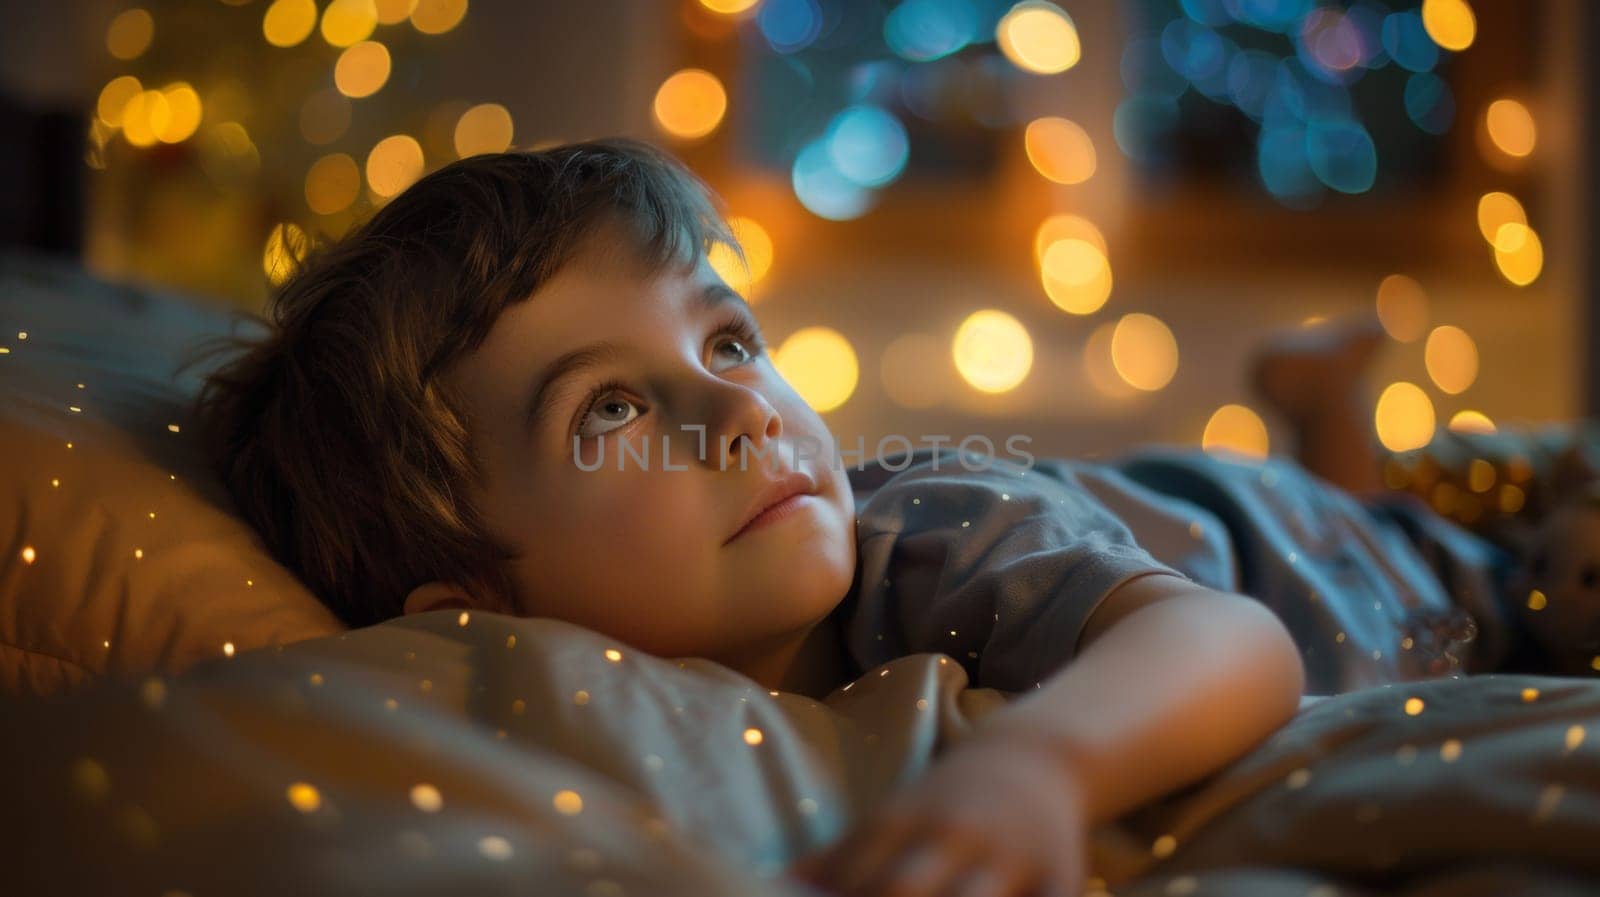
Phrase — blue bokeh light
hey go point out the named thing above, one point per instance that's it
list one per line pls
(790, 25)
(1207, 12)
(1271, 15)
(923, 30)
(1193, 50)
(867, 145)
(1285, 169)
(1342, 155)
(1144, 71)
(1430, 103)
(1408, 43)
(1251, 75)
(823, 189)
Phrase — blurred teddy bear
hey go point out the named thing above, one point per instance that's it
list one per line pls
(1561, 582)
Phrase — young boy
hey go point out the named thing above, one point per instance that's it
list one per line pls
(416, 434)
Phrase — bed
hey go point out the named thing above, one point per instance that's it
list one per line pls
(184, 718)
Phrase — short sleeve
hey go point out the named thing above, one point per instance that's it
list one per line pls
(985, 560)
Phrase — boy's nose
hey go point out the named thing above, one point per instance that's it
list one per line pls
(741, 420)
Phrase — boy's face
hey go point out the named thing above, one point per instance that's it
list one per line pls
(644, 553)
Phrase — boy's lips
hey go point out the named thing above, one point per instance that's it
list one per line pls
(775, 492)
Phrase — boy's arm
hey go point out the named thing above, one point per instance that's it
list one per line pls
(1172, 681)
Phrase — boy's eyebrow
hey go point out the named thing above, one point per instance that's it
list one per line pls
(578, 360)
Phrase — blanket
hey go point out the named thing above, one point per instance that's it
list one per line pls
(456, 753)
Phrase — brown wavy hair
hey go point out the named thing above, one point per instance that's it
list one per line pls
(333, 430)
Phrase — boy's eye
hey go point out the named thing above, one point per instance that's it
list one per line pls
(606, 410)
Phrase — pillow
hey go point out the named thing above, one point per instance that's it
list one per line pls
(122, 551)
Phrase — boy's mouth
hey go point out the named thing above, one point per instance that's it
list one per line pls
(776, 500)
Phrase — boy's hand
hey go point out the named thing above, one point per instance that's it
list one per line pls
(993, 818)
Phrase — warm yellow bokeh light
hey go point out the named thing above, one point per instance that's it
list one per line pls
(728, 7)
(757, 246)
(130, 33)
(347, 22)
(820, 365)
(1510, 127)
(288, 22)
(485, 128)
(285, 243)
(1076, 276)
(1496, 210)
(1450, 23)
(145, 117)
(992, 351)
(183, 113)
(1060, 149)
(1518, 253)
(690, 104)
(1235, 428)
(304, 797)
(324, 117)
(1098, 366)
(362, 69)
(1062, 226)
(394, 164)
(437, 16)
(1404, 417)
(1038, 37)
(1403, 307)
(568, 802)
(426, 798)
(1144, 351)
(912, 369)
(1451, 358)
(114, 99)
(1469, 421)
(332, 183)
(393, 12)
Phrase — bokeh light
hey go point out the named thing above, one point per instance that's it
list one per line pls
(1429, 102)
(1510, 127)
(823, 189)
(130, 33)
(114, 99)
(1450, 23)
(324, 117)
(925, 30)
(1076, 275)
(332, 183)
(1497, 209)
(728, 7)
(438, 16)
(393, 12)
(183, 113)
(868, 145)
(1451, 358)
(1144, 351)
(485, 128)
(1407, 42)
(820, 365)
(1518, 253)
(288, 22)
(362, 69)
(145, 117)
(1062, 226)
(757, 246)
(1402, 308)
(1238, 429)
(346, 22)
(1038, 37)
(789, 26)
(910, 368)
(1098, 366)
(1469, 421)
(690, 104)
(394, 164)
(1060, 149)
(992, 351)
(1404, 417)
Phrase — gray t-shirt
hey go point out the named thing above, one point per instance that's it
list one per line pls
(994, 563)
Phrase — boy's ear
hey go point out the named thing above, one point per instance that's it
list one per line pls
(436, 596)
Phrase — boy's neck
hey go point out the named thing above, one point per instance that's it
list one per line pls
(810, 662)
